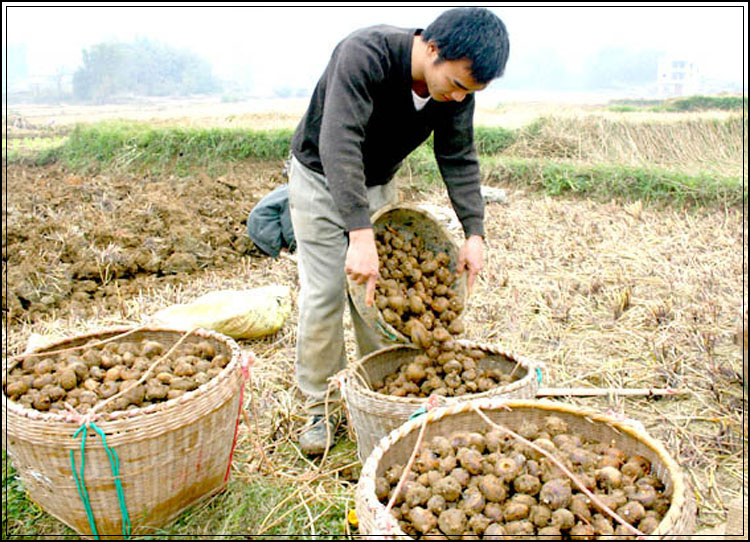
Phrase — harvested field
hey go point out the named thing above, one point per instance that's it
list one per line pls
(606, 295)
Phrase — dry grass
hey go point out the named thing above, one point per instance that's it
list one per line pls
(258, 114)
(689, 144)
(604, 295)
(621, 296)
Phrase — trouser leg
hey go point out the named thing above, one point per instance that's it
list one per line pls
(321, 254)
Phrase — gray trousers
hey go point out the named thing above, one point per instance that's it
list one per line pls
(321, 255)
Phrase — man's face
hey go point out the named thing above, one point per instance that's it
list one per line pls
(449, 80)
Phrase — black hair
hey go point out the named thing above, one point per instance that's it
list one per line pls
(473, 33)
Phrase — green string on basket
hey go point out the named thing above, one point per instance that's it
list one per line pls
(417, 413)
(385, 332)
(83, 492)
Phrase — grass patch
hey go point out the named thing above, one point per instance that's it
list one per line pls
(124, 146)
(690, 160)
(623, 108)
(493, 140)
(22, 519)
(606, 181)
(264, 509)
(635, 102)
(37, 148)
(689, 103)
(705, 103)
(257, 508)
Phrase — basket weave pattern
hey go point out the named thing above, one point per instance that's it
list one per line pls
(397, 447)
(171, 454)
(374, 415)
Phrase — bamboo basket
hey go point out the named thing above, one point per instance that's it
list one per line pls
(407, 220)
(373, 415)
(171, 454)
(396, 448)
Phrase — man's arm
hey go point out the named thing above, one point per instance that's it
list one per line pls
(459, 166)
(457, 159)
(351, 76)
(353, 72)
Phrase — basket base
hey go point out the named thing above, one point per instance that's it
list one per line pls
(108, 532)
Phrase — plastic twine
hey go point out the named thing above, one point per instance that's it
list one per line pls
(247, 360)
(81, 485)
(385, 332)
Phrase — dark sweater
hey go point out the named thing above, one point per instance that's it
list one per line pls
(361, 124)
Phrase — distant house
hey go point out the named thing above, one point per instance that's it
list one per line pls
(677, 77)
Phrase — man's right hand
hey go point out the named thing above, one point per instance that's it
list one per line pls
(362, 261)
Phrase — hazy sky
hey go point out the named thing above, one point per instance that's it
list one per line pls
(286, 44)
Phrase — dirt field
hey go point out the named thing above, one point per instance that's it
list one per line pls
(106, 237)
(609, 295)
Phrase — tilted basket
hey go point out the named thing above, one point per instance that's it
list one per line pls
(373, 415)
(398, 446)
(409, 221)
(170, 454)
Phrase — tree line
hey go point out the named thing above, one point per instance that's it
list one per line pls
(140, 68)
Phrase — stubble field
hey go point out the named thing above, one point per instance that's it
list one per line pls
(619, 293)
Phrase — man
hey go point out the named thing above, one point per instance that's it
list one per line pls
(384, 91)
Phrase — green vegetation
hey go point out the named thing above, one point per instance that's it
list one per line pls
(257, 508)
(251, 509)
(622, 108)
(706, 103)
(672, 159)
(606, 181)
(141, 68)
(636, 102)
(692, 103)
(19, 514)
(493, 140)
(37, 148)
(127, 145)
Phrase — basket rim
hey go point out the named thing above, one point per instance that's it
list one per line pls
(109, 417)
(369, 468)
(357, 291)
(348, 375)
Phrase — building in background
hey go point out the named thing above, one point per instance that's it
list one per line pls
(678, 76)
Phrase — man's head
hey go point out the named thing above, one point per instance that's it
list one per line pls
(475, 34)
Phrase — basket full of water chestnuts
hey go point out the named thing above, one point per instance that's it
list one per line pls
(504, 469)
(117, 432)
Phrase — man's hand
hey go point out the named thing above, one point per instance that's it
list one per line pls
(362, 261)
(471, 257)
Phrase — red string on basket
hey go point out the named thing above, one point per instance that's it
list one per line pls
(247, 359)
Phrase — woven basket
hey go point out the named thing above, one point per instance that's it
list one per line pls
(407, 220)
(397, 447)
(373, 415)
(171, 454)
